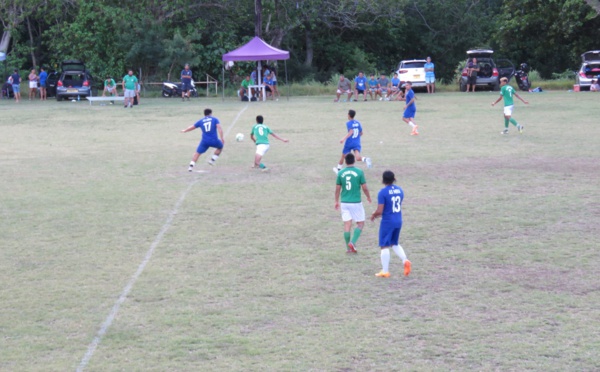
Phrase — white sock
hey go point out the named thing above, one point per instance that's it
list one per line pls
(339, 166)
(400, 252)
(192, 163)
(364, 159)
(385, 260)
(411, 124)
(214, 157)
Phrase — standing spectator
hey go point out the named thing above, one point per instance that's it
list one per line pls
(138, 89)
(110, 86)
(348, 183)
(344, 87)
(351, 141)
(186, 82)
(507, 92)
(389, 207)
(43, 77)
(129, 84)
(245, 87)
(15, 81)
(210, 127)
(430, 75)
(33, 84)
(373, 87)
(274, 84)
(384, 87)
(260, 136)
(472, 70)
(410, 110)
(361, 86)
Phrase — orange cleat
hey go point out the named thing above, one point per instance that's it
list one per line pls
(381, 274)
(407, 267)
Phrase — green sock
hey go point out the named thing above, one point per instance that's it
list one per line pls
(506, 123)
(347, 237)
(356, 235)
(514, 122)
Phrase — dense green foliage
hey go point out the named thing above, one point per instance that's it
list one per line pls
(324, 36)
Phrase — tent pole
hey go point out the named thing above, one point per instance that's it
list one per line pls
(286, 79)
(223, 82)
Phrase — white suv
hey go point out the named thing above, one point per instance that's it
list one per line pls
(412, 70)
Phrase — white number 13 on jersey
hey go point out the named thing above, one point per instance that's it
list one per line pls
(396, 204)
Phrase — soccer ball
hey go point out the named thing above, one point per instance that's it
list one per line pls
(239, 137)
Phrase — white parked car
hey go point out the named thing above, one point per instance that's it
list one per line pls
(412, 70)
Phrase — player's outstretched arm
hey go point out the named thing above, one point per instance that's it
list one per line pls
(378, 212)
(348, 135)
(519, 97)
(496, 101)
(220, 130)
(188, 129)
(279, 138)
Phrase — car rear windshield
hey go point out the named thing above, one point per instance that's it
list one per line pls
(412, 64)
(73, 80)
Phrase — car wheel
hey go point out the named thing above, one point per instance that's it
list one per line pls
(59, 98)
(463, 88)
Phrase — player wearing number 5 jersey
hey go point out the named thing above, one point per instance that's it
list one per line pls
(389, 207)
(349, 182)
(210, 127)
(260, 136)
(352, 141)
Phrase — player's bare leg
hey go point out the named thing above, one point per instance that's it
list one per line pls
(362, 158)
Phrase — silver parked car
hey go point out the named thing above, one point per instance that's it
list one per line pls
(590, 69)
(74, 82)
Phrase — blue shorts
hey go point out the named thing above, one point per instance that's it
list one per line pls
(429, 79)
(16, 88)
(205, 144)
(185, 86)
(389, 233)
(409, 113)
(348, 149)
(274, 82)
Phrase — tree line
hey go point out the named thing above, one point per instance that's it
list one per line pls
(324, 37)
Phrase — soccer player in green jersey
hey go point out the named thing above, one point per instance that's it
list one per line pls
(507, 92)
(350, 181)
(260, 136)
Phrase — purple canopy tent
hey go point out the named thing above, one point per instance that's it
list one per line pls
(256, 50)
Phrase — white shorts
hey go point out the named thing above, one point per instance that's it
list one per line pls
(339, 91)
(33, 84)
(109, 89)
(129, 93)
(508, 110)
(262, 149)
(352, 212)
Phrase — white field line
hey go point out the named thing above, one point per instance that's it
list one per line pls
(117, 305)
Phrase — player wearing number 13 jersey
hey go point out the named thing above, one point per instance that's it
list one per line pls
(260, 136)
(210, 127)
(352, 141)
(389, 207)
(349, 183)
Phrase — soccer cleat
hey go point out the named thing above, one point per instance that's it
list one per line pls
(211, 162)
(262, 166)
(505, 131)
(521, 127)
(382, 274)
(369, 164)
(407, 267)
(351, 248)
(190, 168)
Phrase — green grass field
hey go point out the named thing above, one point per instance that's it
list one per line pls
(248, 270)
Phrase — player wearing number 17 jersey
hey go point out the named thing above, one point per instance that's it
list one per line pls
(352, 141)
(389, 207)
(210, 127)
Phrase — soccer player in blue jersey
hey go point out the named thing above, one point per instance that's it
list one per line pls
(210, 127)
(361, 85)
(389, 207)
(352, 142)
(410, 110)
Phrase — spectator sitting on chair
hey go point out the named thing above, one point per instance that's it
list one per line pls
(344, 87)
(373, 87)
(245, 89)
(110, 86)
(268, 83)
(595, 87)
(384, 87)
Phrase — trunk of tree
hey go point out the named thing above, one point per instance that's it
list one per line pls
(309, 49)
(258, 18)
(33, 60)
